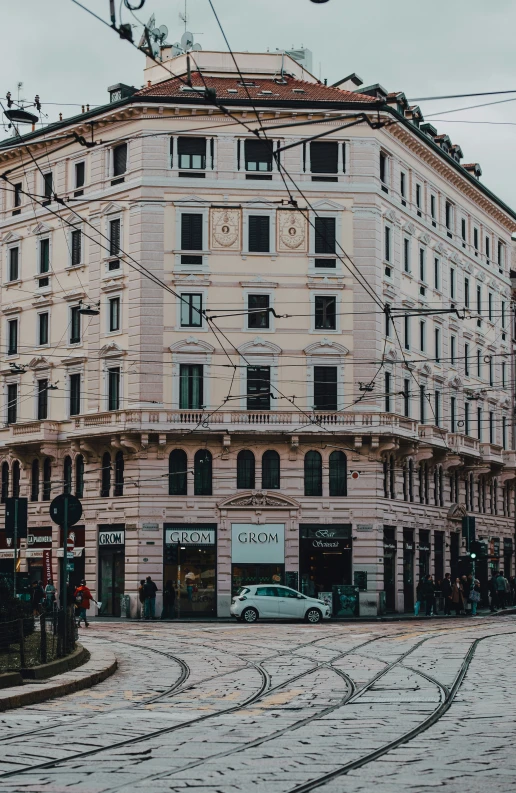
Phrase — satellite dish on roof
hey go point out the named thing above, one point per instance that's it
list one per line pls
(196, 48)
(149, 26)
(187, 40)
(163, 30)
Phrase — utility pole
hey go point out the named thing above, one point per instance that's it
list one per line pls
(15, 543)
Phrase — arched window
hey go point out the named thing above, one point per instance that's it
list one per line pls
(177, 467)
(34, 481)
(271, 470)
(405, 480)
(338, 474)
(245, 470)
(423, 482)
(119, 474)
(67, 474)
(411, 480)
(47, 479)
(16, 479)
(313, 474)
(5, 481)
(79, 476)
(202, 473)
(105, 486)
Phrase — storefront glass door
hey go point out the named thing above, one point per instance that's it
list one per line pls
(192, 570)
(111, 580)
(325, 558)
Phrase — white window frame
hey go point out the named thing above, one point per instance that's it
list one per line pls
(39, 239)
(41, 374)
(37, 344)
(173, 162)
(9, 318)
(264, 212)
(193, 289)
(338, 298)
(191, 352)
(73, 345)
(73, 162)
(109, 297)
(276, 143)
(205, 252)
(312, 255)
(270, 294)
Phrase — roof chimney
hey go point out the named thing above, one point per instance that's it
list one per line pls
(349, 83)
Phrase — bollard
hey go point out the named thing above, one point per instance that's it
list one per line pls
(43, 639)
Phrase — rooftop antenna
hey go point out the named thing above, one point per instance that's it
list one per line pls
(153, 38)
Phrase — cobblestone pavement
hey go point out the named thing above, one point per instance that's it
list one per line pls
(289, 708)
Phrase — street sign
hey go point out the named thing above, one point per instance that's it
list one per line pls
(70, 543)
(69, 567)
(57, 509)
(16, 511)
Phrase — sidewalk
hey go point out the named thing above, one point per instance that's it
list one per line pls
(102, 664)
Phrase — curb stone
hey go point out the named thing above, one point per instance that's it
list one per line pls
(101, 664)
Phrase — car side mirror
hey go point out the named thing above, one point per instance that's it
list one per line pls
(300, 597)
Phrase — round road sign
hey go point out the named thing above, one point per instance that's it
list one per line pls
(57, 509)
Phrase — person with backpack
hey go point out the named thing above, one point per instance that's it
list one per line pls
(149, 590)
(82, 598)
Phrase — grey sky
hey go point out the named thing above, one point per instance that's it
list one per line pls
(59, 51)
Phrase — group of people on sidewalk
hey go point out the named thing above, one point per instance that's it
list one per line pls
(464, 594)
(147, 597)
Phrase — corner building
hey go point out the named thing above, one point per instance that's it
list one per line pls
(257, 391)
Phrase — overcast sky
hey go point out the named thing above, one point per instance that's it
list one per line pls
(424, 49)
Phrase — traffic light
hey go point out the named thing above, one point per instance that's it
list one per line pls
(468, 530)
(478, 549)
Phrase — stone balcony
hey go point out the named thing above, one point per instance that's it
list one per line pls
(436, 436)
(464, 444)
(492, 453)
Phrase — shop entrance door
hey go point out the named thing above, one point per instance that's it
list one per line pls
(111, 580)
(192, 571)
(389, 579)
(408, 570)
(325, 558)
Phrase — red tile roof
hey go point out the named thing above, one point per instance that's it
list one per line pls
(293, 90)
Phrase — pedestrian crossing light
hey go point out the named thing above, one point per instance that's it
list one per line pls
(478, 550)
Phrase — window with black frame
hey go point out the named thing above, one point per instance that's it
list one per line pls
(258, 388)
(271, 470)
(325, 242)
(34, 481)
(259, 227)
(191, 237)
(12, 403)
(105, 478)
(325, 312)
(114, 388)
(324, 159)
(67, 474)
(256, 317)
(245, 470)
(47, 479)
(258, 159)
(119, 474)
(191, 386)
(75, 394)
(325, 388)
(42, 399)
(177, 473)
(79, 476)
(313, 474)
(191, 310)
(203, 473)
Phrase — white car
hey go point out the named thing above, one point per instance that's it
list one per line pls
(273, 601)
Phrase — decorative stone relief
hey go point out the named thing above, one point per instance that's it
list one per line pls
(291, 231)
(225, 229)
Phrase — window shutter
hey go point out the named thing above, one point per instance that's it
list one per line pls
(76, 247)
(258, 151)
(259, 234)
(325, 387)
(120, 159)
(324, 157)
(325, 235)
(191, 232)
(44, 256)
(191, 146)
(114, 238)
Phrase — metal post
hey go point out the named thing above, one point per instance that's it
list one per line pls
(65, 565)
(15, 544)
(178, 581)
(43, 639)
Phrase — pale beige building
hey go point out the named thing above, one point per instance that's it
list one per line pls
(239, 404)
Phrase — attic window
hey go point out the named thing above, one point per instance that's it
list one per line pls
(298, 91)
(193, 88)
(232, 90)
(248, 84)
(266, 92)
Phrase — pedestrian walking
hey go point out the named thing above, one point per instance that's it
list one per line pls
(50, 596)
(419, 597)
(150, 589)
(169, 600)
(508, 599)
(466, 585)
(458, 596)
(141, 598)
(500, 590)
(446, 589)
(512, 582)
(37, 597)
(429, 595)
(493, 591)
(474, 596)
(83, 597)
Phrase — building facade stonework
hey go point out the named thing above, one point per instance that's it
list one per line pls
(241, 389)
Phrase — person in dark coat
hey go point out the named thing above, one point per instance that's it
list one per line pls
(446, 589)
(169, 600)
(37, 596)
(149, 590)
(493, 591)
(429, 595)
(420, 597)
(458, 596)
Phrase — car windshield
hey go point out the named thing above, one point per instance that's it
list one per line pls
(243, 590)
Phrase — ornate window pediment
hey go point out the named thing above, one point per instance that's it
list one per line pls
(191, 199)
(41, 228)
(10, 238)
(439, 248)
(390, 355)
(426, 369)
(456, 512)
(455, 382)
(481, 276)
(409, 228)
(40, 362)
(326, 347)
(259, 346)
(111, 350)
(327, 206)
(111, 209)
(425, 239)
(391, 215)
(259, 499)
(192, 344)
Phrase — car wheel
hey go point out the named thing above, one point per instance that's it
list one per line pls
(249, 615)
(313, 616)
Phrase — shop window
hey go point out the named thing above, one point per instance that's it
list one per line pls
(105, 479)
(16, 479)
(79, 476)
(47, 479)
(5, 482)
(313, 474)
(203, 473)
(271, 470)
(119, 474)
(177, 473)
(245, 470)
(338, 474)
(67, 475)
(34, 482)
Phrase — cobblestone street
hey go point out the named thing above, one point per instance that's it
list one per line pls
(279, 707)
